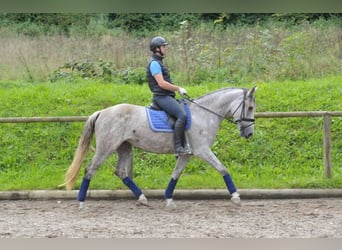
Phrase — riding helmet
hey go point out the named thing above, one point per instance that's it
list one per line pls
(156, 42)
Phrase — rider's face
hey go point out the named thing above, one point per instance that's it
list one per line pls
(163, 49)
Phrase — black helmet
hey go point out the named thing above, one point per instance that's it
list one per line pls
(157, 42)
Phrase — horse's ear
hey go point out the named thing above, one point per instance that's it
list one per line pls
(252, 91)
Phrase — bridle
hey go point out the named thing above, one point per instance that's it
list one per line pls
(242, 114)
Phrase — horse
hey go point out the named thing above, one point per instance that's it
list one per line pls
(123, 126)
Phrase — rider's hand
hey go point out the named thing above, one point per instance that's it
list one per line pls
(182, 91)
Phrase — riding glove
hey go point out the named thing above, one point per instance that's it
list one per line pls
(182, 91)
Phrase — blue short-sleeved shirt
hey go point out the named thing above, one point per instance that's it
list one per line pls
(155, 68)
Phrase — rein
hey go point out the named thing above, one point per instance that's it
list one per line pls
(242, 118)
(188, 98)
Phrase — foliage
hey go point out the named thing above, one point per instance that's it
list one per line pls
(33, 24)
(283, 153)
(142, 23)
(259, 53)
(198, 52)
(104, 71)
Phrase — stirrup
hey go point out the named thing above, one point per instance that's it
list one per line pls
(183, 151)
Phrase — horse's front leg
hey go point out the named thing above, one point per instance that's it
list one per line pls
(209, 156)
(124, 170)
(177, 171)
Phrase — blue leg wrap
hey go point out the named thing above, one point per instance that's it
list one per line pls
(131, 185)
(83, 190)
(229, 182)
(170, 188)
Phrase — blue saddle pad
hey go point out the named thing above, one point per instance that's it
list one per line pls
(158, 119)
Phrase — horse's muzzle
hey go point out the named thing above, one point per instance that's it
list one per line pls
(246, 132)
(248, 135)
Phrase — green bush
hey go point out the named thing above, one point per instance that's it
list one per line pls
(100, 70)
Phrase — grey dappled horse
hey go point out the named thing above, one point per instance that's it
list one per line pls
(123, 126)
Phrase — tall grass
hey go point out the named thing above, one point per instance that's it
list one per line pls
(37, 58)
(268, 52)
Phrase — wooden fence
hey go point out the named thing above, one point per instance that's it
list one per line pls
(327, 142)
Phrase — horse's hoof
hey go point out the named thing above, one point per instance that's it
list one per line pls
(142, 200)
(170, 204)
(236, 199)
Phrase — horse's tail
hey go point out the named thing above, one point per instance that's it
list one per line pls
(81, 151)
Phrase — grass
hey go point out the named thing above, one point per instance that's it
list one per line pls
(283, 153)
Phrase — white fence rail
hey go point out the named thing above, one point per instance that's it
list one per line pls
(326, 115)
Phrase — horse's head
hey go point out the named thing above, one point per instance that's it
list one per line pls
(243, 113)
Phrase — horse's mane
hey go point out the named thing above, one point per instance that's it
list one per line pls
(218, 90)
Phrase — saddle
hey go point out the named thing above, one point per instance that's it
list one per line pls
(160, 121)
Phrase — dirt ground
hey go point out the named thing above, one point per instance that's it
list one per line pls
(307, 218)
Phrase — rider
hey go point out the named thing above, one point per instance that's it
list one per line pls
(160, 83)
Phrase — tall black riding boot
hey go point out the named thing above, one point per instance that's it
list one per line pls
(179, 137)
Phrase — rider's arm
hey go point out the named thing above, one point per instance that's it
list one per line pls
(157, 74)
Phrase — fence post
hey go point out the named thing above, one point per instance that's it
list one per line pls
(327, 145)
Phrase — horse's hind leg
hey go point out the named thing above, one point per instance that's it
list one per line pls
(178, 170)
(89, 173)
(125, 161)
(124, 169)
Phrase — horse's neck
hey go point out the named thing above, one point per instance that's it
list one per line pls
(221, 101)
